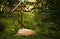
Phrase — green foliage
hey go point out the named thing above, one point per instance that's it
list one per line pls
(44, 20)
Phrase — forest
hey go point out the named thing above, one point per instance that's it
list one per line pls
(40, 16)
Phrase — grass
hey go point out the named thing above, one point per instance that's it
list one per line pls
(12, 28)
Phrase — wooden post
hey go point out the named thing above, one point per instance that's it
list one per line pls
(21, 16)
(21, 20)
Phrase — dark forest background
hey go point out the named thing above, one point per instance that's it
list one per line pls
(44, 18)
